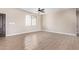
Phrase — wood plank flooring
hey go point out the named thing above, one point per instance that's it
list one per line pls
(39, 41)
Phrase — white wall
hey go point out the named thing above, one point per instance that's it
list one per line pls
(17, 16)
(60, 21)
(56, 20)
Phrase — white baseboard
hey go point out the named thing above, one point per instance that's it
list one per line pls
(42, 30)
(60, 33)
(20, 33)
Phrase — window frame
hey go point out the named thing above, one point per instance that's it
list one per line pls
(31, 21)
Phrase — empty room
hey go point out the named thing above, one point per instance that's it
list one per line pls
(39, 29)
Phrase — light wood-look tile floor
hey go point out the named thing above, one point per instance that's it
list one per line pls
(39, 41)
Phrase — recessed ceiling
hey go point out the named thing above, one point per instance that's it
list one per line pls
(32, 10)
(47, 10)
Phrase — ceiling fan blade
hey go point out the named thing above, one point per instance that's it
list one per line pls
(39, 9)
(42, 9)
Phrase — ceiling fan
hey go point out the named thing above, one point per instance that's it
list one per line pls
(41, 10)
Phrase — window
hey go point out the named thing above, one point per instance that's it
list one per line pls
(28, 20)
(31, 20)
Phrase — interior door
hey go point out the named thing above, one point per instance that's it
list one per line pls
(2, 24)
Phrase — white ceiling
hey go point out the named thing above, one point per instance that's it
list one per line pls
(32, 10)
(35, 10)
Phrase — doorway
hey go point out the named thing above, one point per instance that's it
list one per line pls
(2, 25)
